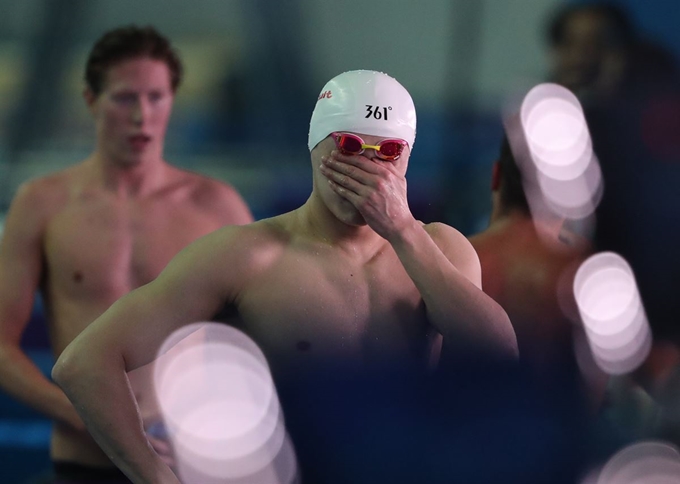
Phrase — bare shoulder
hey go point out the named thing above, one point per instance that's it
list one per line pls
(452, 242)
(206, 189)
(487, 245)
(217, 196)
(458, 249)
(42, 197)
(480, 239)
(249, 246)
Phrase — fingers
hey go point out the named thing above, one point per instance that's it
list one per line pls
(159, 445)
(360, 162)
(344, 170)
(163, 449)
(373, 166)
(349, 195)
(355, 171)
(347, 180)
(365, 183)
(352, 181)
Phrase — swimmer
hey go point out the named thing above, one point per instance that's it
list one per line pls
(531, 277)
(87, 235)
(350, 278)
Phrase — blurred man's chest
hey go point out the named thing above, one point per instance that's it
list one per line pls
(108, 249)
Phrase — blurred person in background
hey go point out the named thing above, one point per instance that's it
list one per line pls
(591, 45)
(528, 267)
(87, 235)
(630, 91)
(629, 87)
(345, 286)
(529, 276)
(598, 53)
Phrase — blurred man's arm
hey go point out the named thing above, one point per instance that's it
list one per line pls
(21, 259)
(92, 369)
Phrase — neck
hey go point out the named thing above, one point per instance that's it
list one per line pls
(128, 180)
(502, 215)
(512, 223)
(550, 231)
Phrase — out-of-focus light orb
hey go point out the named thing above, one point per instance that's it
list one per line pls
(556, 132)
(555, 124)
(220, 406)
(609, 304)
(625, 359)
(648, 462)
(561, 174)
(604, 296)
(576, 198)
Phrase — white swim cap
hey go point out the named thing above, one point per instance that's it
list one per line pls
(366, 102)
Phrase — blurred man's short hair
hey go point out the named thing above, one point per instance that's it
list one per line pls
(130, 42)
(621, 31)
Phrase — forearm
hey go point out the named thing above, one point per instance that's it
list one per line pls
(23, 380)
(455, 306)
(100, 391)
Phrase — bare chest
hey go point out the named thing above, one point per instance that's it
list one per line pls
(312, 308)
(104, 249)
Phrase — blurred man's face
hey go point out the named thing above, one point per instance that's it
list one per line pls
(131, 113)
(586, 57)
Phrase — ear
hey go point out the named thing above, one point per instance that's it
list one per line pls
(496, 177)
(90, 98)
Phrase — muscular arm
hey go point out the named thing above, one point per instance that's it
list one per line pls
(20, 271)
(445, 269)
(92, 369)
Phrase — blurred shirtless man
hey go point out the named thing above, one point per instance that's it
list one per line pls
(528, 266)
(87, 235)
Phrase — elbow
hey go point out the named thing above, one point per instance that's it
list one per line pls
(7, 350)
(83, 364)
(511, 348)
(501, 338)
(67, 369)
(508, 337)
(73, 367)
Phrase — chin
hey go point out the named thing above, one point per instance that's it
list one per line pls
(342, 209)
(133, 159)
(351, 217)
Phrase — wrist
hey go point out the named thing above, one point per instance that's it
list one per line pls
(406, 234)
